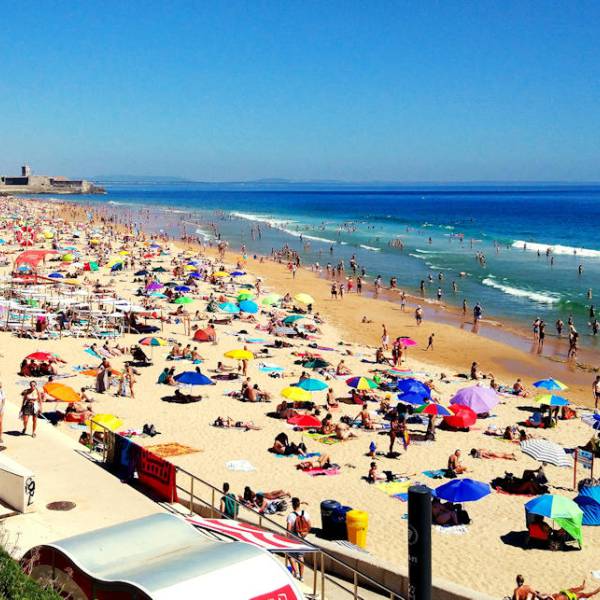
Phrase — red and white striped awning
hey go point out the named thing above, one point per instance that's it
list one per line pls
(251, 534)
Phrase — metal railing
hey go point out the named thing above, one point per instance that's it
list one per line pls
(346, 572)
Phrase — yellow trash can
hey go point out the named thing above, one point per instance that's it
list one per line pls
(357, 524)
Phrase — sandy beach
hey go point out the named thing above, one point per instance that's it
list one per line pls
(484, 556)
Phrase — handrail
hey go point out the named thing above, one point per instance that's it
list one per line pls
(318, 549)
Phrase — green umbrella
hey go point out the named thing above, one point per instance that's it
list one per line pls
(292, 319)
(560, 509)
(183, 300)
(271, 299)
(245, 296)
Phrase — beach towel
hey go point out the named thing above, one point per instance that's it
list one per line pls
(171, 449)
(157, 474)
(392, 488)
(333, 470)
(323, 438)
(401, 497)
(92, 353)
(240, 465)
(303, 457)
(454, 530)
(435, 474)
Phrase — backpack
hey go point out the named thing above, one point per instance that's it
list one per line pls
(301, 526)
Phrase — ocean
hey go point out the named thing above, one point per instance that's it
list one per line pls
(444, 231)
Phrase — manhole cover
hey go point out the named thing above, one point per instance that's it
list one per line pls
(62, 505)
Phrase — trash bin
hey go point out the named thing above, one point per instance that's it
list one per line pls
(339, 522)
(357, 523)
(327, 509)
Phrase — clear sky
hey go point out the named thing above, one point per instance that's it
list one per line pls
(368, 90)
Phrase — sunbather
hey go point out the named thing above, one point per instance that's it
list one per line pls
(365, 417)
(483, 453)
(228, 422)
(575, 593)
(454, 465)
(318, 462)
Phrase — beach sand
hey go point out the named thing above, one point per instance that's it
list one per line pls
(484, 558)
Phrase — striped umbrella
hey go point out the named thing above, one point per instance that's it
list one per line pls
(152, 341)
(548, 452)
(361, 383)
(433, 409)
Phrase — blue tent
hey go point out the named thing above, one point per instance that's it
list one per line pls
(589, 502)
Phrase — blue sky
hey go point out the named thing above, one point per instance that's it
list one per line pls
(405, 91)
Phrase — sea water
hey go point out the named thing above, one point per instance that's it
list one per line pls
(443, 231)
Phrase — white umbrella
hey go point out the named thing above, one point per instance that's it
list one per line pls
(548, 452)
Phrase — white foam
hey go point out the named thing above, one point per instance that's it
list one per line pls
(277, 223)
(556, 249)
(541, 297)
(372, 248)
(419, 256)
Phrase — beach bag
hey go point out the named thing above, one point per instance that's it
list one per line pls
(301, 526)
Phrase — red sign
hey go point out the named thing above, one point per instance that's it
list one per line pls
(283, 593)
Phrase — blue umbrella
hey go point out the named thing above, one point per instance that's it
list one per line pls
(194, 275)
(194, 263)
(413, 386)
(182, 288)
(248, 306)
(192, 378)
(312, 385)
(415, 399)
(56, 276)
(229, 307)
(238, 273)
(550, 384)
(462, 490)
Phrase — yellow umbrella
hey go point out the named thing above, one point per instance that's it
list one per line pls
(240, 354)
(94, 242)
(296, 394)
(221, 274)
(61, 392)
(190, 268)
(114, 261)
(67, 257)
(304, 298)
(123, 252)
(109, 421)
(48, 235)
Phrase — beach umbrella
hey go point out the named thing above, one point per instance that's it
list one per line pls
(395, 372)
(463, 417)
(462, 490)
(157, 295)
(94, 372)
(413, 386)
(239, 354)
(159, 270)
(304, 298)
(56, 276)
(194, 263)
(192, 378)
(90, 266)
(109, 421)
(182, 288)
(61, 392)
(361, 383)
(292, 319)
(551, 400)
(194, 275)
(153, 286)
(47, 356)
(296, 394)
(315, 363)
(248, 306)
(229, 307)
(305, 421)
(183, 300)
(560, 509)
(117, 267)
(312, 385)
(547, 452)
(406, 341)
(238, 273)
(221, 274)
(480, 399)
(271, 299)
(411, 398)
(434, 409)
(550, 384)
(67, 257)
(245, 295)
(124, 253)
(94, 242)
(153, 341)
(141, 273)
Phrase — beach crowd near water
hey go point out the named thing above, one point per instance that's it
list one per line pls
(290, 389)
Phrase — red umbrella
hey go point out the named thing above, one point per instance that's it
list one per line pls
(304, 421)
(462, 418)
(42, 356)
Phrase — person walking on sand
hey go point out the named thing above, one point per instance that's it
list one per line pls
(385, 338)
(299, 524)
(419, 315)
(430, 342)
(30, 407)
(595, 391)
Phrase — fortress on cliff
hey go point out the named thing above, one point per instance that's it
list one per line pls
(26, 183)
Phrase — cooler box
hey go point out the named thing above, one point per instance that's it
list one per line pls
(339, 522)
(17, 485)
(357, 522)
(327, 524)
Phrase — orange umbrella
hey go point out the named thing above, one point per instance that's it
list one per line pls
(94, 372)
(61, 392)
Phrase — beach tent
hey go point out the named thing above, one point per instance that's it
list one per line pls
(588, 501)
(205, 335)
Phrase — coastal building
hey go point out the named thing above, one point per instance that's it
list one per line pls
(27, 183)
